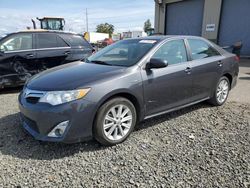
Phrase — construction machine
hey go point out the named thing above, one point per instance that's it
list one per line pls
(50, 23)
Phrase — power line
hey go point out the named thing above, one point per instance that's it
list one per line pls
(117, 22)
(87, 22)
(124, 16)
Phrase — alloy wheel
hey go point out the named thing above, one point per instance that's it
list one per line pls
(222, 91)
(117, 122)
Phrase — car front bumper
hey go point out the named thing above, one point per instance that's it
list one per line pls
(40, 119)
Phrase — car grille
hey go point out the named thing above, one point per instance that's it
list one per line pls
(32, 100)
(32, 96)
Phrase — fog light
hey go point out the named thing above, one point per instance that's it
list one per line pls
(59, 130)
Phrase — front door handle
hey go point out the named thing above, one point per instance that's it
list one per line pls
(188, 70)
(220, 63)
(30, 56)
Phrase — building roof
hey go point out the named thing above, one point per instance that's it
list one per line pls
(50, 17)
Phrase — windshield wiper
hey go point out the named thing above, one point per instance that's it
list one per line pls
(100, 62)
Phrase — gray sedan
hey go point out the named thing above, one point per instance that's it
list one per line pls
(123, 84)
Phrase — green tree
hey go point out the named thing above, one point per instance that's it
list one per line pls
(147, 25)
(105, 28)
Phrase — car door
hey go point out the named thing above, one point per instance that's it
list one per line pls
(17, 57)
(80, 48)
(206, 67)
(51, 50)
(168, 87)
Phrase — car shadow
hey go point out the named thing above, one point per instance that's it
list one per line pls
(245, 78)
(15, 142)
(10, 90)
(172, 115)
(244, 63)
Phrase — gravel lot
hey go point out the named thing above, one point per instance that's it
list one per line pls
(200, 146)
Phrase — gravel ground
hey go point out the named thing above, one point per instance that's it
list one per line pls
(200, 146)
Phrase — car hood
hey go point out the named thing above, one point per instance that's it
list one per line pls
(72, 76)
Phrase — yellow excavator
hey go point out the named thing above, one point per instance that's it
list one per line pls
(50, 23)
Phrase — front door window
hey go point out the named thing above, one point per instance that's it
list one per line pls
(17, 42)
(174, 52)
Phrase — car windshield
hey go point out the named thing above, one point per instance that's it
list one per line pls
(123, 53)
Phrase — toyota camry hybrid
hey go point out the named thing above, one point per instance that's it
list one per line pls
(123, 84)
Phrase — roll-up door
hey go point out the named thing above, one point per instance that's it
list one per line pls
(184, 18)
(235, 24)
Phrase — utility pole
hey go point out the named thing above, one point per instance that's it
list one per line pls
(87, 21)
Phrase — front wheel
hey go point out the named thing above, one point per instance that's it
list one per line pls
(115, 121)
(221, 93)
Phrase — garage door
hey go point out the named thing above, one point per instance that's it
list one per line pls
(235, 24)
(184, 18)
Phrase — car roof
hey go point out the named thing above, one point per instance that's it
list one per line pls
(164, 37)
(44, 31)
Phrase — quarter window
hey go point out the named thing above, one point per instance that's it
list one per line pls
(75, 40)
(173, 52)
(17, 42)
(200, 49)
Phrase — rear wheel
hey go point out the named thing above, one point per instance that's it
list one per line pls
(221, 93)
(115, 121)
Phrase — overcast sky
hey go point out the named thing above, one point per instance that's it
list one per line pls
(123, 14)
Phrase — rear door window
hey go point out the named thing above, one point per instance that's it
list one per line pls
(201, 49)
(48, 40)
(61, 42)
(17, 42)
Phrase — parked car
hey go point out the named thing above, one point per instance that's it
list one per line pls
(24, 54)
(123, 84)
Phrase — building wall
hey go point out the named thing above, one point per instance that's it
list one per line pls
(212, 11)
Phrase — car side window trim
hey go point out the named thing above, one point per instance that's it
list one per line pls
(37, 49)
(34, 45)
(189, 53)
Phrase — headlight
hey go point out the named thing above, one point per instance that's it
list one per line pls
(60, 97)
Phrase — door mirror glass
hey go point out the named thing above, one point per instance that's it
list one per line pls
(155, 63)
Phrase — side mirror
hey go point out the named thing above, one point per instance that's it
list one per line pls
(155, 63)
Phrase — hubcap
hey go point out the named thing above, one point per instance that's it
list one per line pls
(222, 91)
(117, 122)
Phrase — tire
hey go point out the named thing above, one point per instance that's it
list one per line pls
(216, 100)
(115, 121)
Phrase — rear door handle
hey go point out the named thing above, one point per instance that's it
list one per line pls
(188, 70)
(67, 52)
